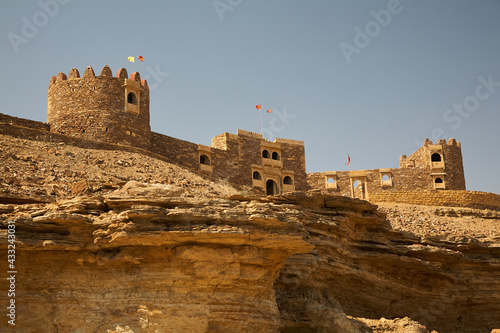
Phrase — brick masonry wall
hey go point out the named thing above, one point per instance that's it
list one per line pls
(454, 198)
(38, 131)
(413, 174)
(294, 158)
(93, 107)
(180, 152)
(454, 167)
(407, 179)
(417, 159)
(225, 160)
(20, 122)
(249, 152)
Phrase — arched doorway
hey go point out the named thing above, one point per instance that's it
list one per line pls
(271, 187)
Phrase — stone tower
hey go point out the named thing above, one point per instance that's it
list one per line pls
(102, 108)
(443, 161)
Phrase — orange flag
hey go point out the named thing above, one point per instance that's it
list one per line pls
(257, 107)
(141, 58)
(348, 160)
(269, 111)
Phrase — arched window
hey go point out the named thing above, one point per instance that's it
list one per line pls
(265, 154)
(131, 98)
(438, 181)
(386, 177)
(436, 157)
(288, 180)
(256, 175)
(330, 180)
(276, 156)
(204, 159)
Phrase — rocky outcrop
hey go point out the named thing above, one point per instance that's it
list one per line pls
(146, 260)
(149, 258)
(369, 270)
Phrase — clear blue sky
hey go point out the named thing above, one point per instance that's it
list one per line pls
(368, 78)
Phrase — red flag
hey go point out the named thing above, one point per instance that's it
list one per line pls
(141, 58)
(269, 111)
(348, 159)
(257, 107)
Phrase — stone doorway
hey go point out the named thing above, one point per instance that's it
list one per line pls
(271, 187)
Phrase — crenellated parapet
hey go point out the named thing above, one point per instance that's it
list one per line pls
(102, 108)
(290, 141)
(249, 133)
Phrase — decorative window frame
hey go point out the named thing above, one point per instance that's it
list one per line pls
(388, 173)
(134, 87)
(331, 175)
(438, 186)
(436, 149)
(205, 150)
(288, 187)
(359, 175)
(258, 182)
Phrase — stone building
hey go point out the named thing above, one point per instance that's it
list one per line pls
(116, 110)
(432, 167)
(107, 112)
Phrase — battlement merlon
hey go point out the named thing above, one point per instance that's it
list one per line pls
(443, 142)
(105, 72)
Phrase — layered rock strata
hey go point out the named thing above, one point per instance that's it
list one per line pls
(150, 263)
(146, 258)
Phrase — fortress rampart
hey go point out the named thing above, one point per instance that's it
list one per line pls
(108, 112)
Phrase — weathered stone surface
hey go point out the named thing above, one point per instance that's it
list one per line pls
(295, 263)
(196, 266)
(370, 271)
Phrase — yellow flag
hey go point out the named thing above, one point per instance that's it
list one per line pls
(131, 59)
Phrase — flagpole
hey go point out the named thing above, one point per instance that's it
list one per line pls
(271, 125)
(261, 124)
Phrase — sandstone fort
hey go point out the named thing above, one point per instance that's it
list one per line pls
(106, 109)
(118, 229)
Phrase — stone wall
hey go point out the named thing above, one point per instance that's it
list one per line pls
(454, 168)
(415, 173)
(453, 198)
(96, 107)
(21, 122)
(294, 158)
(409, 179)
(177, 151)
(231, 157)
